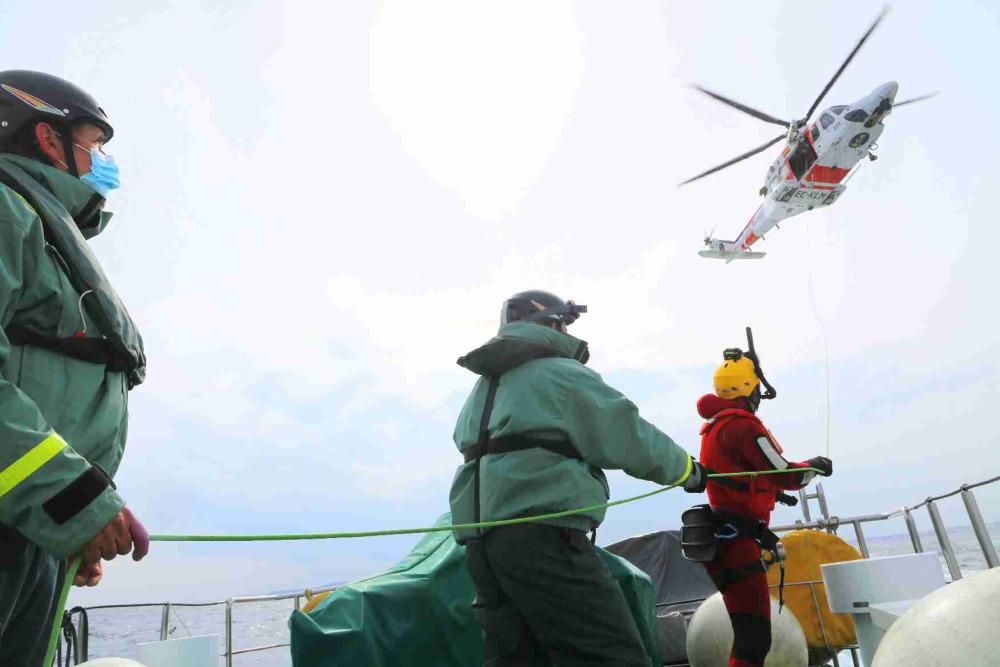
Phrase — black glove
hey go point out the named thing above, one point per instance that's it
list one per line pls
(696, 481)
(823, 464)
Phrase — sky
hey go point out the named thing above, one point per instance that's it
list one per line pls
(325, 204)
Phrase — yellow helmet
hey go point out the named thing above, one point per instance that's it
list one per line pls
(735, 378)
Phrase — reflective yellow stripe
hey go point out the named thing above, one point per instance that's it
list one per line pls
(27, 465)
(684, 477)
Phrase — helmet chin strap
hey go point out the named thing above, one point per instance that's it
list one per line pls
(769, 392)
(67, 141)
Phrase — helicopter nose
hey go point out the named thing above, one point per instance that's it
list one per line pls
(888, 90)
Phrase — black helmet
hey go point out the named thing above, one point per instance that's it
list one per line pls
(27, 96)
(35, 96)
(539, 307)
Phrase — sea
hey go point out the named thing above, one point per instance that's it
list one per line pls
(117, 632)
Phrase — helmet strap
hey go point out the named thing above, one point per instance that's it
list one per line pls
(67, 141)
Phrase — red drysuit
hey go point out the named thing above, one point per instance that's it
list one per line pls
(733, 439)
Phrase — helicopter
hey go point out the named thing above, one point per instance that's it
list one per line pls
(813, 168)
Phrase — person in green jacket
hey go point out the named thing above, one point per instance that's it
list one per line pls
(536, 433)
(64, 377)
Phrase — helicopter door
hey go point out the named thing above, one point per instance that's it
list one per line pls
(802, 157)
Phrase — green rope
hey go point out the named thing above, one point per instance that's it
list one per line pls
(75, 562)
(71, 568)
(438, 529)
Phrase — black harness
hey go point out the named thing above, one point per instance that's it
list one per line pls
(520, 442)
(510, 443)
(702, 529)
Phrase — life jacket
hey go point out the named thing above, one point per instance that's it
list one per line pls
(117, 344)
(745, 495)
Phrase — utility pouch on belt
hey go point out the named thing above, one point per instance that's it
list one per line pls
(699, 542)
(702, 528)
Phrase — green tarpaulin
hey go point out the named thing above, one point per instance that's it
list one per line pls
(419, 613)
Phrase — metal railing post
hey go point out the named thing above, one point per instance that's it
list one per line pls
(298, 605)
(854, 657)
(804, 501)
(819, 615)
(862, 545)
(165, 622)
(942, 536)
(911, 528)
(982, 534)
(821, 498)
(229, 632)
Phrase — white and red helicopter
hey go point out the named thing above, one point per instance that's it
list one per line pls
(811, 170)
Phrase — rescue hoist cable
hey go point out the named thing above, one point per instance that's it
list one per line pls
(826, 342)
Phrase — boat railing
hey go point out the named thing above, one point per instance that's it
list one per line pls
(229, 604)
(824, 522)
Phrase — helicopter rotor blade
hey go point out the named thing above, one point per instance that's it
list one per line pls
(739, 158)
(920, 98)
(767, 118)
(847, 61)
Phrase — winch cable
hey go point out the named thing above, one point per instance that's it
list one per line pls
(826, 343)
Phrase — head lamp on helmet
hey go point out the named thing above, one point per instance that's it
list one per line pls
(539, 307)
(740, 374)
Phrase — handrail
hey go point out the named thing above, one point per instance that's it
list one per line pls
(955, 492)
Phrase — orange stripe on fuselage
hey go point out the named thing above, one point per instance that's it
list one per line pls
(822, 174)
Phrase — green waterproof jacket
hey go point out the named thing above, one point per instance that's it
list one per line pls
(59, 416)
(554, 397)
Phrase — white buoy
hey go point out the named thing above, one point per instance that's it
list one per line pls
(954, 625)
(710, 637)
(111, 662)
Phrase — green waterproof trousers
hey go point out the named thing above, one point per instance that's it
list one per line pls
(545, 598)
(30, 583)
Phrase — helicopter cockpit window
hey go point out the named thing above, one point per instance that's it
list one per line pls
(802, 158)
(826, 120)
(814, 130)
(839, 109)
(856, 115)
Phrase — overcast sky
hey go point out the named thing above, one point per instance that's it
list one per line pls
(324, 205)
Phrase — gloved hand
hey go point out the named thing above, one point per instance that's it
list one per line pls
(123, 534)
(696, 481)
(823, 464)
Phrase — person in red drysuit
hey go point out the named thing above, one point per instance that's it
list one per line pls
(734, 439)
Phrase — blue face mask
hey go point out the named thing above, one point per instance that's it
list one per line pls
(103, 176)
